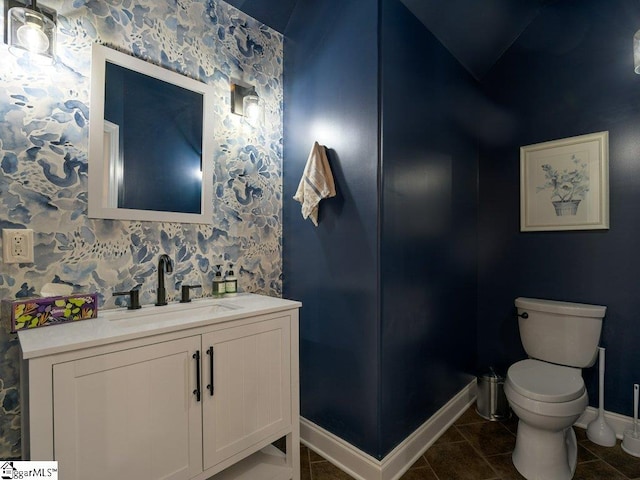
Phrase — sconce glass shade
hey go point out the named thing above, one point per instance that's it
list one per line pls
(33, 32)
(636, 52)
(252, 107)
(246, 102)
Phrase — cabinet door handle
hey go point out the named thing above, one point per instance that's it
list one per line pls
(210, 386)
(196, 392)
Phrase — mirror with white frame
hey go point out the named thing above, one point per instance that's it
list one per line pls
(150, 142)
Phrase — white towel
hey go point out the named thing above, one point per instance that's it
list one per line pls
(316, 183)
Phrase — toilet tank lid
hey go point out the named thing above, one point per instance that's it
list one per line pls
(562, 308)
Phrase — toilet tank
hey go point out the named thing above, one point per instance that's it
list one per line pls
(560, 332)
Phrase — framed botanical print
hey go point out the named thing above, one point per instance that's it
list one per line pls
(564, 184)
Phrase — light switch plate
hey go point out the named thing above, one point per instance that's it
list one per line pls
(17, 245)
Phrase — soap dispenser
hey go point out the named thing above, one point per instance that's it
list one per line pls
(231, 282)
(218, 283)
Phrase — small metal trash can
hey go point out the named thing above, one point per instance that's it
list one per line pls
(492, 402)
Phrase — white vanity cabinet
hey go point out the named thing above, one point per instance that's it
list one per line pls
(129, 414)
(203, 401)
(250, 396)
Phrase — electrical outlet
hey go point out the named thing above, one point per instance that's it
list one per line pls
(17, 245)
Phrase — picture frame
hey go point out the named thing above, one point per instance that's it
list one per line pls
(564, 184)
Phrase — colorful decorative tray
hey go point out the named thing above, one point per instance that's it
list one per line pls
(45, 311)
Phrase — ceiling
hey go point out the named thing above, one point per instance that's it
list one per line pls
(476, 32)
(274, 13)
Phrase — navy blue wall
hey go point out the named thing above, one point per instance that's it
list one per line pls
(331, 95)
(429, 225)
(375, 367)
(570, 73)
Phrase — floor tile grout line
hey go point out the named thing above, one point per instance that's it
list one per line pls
(483, 456)
(424, 457)
(597, 459)
(602, 459)
(429, 465)
(309, 463)
(450, 443)
(507, 428)
(497, 477)
(584, 445)
(621, 473)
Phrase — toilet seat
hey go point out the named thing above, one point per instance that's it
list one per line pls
(547, 409)
(546, 382)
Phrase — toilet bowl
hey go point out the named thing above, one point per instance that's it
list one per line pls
(546, 391)
(547, 399)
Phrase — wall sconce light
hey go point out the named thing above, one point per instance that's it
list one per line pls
(636, 52)
(30, 29)
(246, 102)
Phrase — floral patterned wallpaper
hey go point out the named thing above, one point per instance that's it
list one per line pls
(44, 131)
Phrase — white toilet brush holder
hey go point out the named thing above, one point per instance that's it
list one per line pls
(631, 439)
(599, 430)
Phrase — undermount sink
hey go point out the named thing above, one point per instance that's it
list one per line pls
(203, 307)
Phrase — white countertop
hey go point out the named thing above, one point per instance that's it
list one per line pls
(121, 324)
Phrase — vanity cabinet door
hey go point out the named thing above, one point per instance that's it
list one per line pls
(251, 397)
(129, 414)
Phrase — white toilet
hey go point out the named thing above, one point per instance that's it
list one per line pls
(546, 391)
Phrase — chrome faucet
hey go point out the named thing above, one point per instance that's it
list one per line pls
(164, 265)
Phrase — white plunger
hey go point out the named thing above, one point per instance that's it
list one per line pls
(599, 430)
(631, 439)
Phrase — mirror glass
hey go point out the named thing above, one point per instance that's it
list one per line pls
(149, 158)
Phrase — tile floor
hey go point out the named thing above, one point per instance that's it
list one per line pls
(476, 449)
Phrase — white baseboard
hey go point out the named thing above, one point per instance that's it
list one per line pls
(363, 466)
(619, 423)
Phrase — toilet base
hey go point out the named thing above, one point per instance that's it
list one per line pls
(545, 455)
